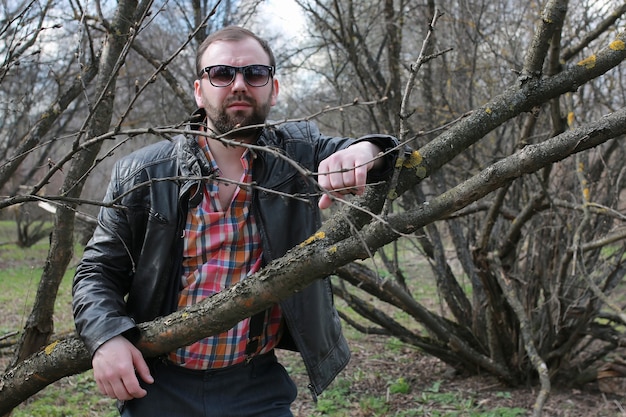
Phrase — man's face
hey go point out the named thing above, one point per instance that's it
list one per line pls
(237, 104)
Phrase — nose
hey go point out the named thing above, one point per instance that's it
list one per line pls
(239, 84)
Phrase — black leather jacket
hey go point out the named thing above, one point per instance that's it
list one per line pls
(136, 251)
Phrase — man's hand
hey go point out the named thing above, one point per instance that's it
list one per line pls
(114, 366)
(345, 172)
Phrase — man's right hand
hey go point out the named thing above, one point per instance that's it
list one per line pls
(116, 365)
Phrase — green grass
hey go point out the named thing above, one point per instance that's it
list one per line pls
(75, 397)
(341, 401)
(21, 270)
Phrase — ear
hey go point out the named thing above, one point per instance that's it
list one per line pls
(275, 89)
(197, 92)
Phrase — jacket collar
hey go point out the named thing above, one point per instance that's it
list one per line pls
(192, 161)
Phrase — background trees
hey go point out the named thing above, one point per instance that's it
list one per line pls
(525, 243)
(512, 268)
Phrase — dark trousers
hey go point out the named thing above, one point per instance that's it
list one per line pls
(259, 388)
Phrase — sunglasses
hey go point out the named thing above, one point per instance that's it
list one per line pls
(223, 75)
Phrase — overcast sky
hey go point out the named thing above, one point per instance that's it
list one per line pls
(285, 14)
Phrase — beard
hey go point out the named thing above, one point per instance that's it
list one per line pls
(224, 122)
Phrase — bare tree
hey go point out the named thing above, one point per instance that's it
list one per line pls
(509, 173)
(520, 297)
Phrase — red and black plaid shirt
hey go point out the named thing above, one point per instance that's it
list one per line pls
(220, 249)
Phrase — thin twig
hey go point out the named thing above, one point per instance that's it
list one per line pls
(404, 114)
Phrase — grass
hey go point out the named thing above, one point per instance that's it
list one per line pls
(388, 378)
(341, 400)
(74, 396)
(21, 270)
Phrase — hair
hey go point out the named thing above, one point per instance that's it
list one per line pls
(231, 34)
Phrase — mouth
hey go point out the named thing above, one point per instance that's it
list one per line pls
(239, 104)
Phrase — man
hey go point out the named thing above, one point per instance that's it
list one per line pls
(179, 241)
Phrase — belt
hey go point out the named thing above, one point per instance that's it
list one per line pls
(254, 360)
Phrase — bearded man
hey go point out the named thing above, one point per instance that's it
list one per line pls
(220, 217)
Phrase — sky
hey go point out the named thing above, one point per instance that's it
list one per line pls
(286, 15)
(285, 26)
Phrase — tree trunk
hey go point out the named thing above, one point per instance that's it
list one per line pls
(40, 325)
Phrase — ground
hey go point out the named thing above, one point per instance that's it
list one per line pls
(386, 379)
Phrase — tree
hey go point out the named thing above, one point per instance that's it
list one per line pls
(523, 298)
(494, 251)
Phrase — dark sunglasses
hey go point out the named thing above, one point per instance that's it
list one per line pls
(223, 75)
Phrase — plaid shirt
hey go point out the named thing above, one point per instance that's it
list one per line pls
(220, 249)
